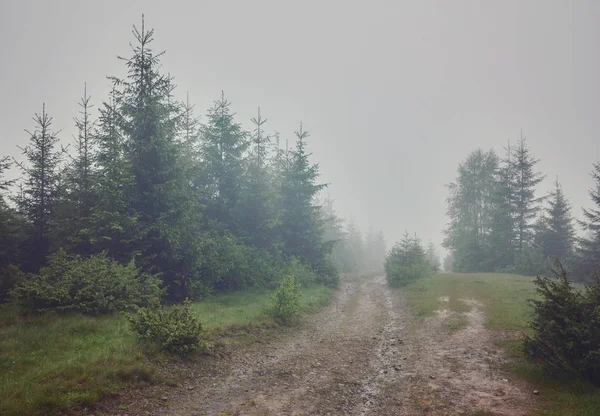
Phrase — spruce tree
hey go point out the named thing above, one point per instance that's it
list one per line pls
(114, 225)
(301, 228)
(524, 181)
(40, 191)
(558, 234)
(78, 186)
(432, 257)
(355, 245)
(257, 213)
(150, 120)
(590, 244)
(11, 228)
(223, 149)
(502, 236)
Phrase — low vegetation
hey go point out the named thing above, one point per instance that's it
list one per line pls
(286, 300)
(566, 326)
(504, 300)
(407, 262)
(95, 285)
(50, 362)
(176, 329)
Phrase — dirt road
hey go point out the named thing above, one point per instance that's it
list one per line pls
(363, 355)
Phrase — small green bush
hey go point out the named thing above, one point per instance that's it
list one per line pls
(175, 329)
(286, 300)
(566, 326)
(399, 275)
(94, 285)
(406, 262)
(303, 275)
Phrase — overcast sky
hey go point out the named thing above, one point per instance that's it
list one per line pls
(394, 93)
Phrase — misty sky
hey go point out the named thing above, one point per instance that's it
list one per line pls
(394, 93)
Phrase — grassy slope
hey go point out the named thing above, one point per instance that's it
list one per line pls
(505, 299)
(55, 362)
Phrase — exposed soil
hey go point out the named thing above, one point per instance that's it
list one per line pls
(365, 354)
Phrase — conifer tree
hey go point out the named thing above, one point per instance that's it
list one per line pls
(432, 257)
(502, 236)
(558, 234)
(157, 194)
(223, 148)
(114, 226)
(301, 229)
(355, 245)
(78, 185)
(524, 181)
(40, 191)
(257, 213)
(11, 227)
(590, 244)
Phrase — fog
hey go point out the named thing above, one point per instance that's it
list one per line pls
(395, 94)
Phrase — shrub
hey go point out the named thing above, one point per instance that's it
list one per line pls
(286, 299)
(303, 275)
(566, 326)
(400, 275)
(406, 262)
(175, 329)
(94, 285)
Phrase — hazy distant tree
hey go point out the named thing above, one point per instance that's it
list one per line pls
(590, 245)
(40, 191)
(524, 182)
(502, 236)
(470, 210)
(433, 257)
(380, 250)
(449, 262)
(558, 234)
(355, 244)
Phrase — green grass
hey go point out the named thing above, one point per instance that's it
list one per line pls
(50, 363)
(504, 298)
(248, 307)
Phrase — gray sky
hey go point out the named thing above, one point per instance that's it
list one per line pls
(394, 93)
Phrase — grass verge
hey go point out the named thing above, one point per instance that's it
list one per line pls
(50, 363)
(504, 298)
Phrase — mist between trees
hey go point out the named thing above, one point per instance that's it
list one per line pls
(204, 206)
(498, 221)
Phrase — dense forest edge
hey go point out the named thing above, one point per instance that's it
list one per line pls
(184, 231)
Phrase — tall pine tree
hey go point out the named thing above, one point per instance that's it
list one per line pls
(558, 235)
(526, 205)
(40, 191)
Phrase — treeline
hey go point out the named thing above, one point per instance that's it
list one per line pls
(357, 251)
(202, 206)
(500, 223)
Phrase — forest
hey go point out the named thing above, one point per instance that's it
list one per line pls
(499, 221)
(146, 193)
